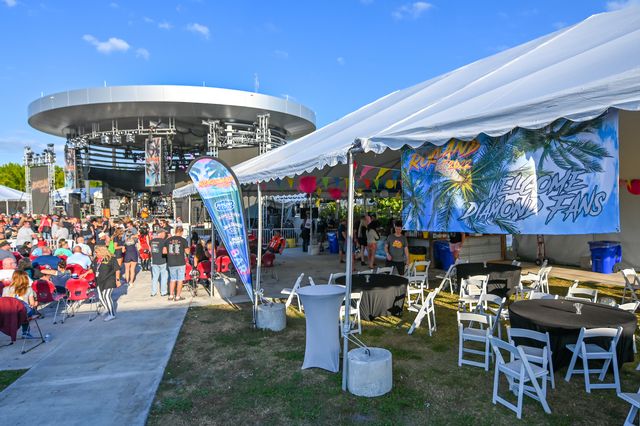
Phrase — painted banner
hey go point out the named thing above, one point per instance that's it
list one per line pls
(562, 179)
(220, 192)
(70, 172)
(153, 162)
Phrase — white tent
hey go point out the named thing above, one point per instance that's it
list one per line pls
(11, 195)
(576, 73)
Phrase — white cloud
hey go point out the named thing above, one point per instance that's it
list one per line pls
(621, 4)
(148, 20)
(113, 44)
(143, 53)
(203, 30)
(411, 10)
(10, 3)
(340, 60)
(281, 54)
(164, 25)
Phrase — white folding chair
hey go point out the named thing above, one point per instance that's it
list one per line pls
(631, 283)
(290, 292)
(631, 307)
(521, 375)
(366, 271)
(419, 266)
(311, 282)
(333, 277)
(446, 280)
(471, 333)
(581, 294)
(515, 263)
(416, 286)
(471, 289)
(428, 309)
(385, 270)
(539, 295)
(634, 400)
(493, 306)
(535, 354)
(354, 313)
(538, 282)
(591, 351)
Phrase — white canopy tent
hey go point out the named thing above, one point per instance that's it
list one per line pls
(576, 73)
(11, 195)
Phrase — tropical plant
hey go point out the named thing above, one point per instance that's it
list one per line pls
(413, 198)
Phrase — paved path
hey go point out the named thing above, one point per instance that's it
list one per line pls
(95, 372)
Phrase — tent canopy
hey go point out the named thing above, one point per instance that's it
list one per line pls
(10, 194)
(576, 73)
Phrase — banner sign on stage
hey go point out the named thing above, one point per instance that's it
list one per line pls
(40, 189)
(220, 193)
(561, 179)
(70, 173)
(153, 166)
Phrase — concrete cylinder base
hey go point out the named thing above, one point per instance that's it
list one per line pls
(314, 249)
(271, 317)
(370, 371)
(224, 288)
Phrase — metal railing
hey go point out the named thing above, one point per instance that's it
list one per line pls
(286, 233)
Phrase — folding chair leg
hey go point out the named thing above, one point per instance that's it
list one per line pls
(572, 364)
(585, 367)
(24, 342)
(520, 397)
(631, 417)
(616, 374)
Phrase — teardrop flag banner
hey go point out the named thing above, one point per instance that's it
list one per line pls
(220, 192)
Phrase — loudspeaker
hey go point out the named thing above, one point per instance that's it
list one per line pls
(73, 209)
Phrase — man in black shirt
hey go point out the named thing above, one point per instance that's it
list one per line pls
(176, 249)
(159, 271)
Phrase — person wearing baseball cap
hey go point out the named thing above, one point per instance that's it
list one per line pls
(5, 250)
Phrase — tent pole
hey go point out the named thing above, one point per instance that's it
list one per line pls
(282, 218)
(259, 259)
(6, 205)
(189, 215)
(349, 270)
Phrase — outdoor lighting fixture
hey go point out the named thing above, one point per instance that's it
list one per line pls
(130, 138)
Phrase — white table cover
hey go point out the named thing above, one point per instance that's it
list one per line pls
(322, 309)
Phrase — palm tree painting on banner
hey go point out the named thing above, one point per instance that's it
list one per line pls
(560, 179)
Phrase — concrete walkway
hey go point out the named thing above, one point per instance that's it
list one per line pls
(95, 372)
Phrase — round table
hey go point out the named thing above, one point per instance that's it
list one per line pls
(382, 294)
(321, 310)
(503, 278)
(559, 318)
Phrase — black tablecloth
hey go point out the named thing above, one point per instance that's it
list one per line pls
(382, 294)
(558, 317)
(503, 278)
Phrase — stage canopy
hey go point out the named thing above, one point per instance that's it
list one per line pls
(576, 73)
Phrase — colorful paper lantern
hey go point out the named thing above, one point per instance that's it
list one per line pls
(335, 193)
(307, 184)
(633, 186)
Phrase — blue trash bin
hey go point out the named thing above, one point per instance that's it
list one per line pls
(332, 238)
(442, 254)
(604, 255)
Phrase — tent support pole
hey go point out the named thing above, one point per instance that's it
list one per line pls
(349, 270)
(259, 259)
(189, 207)
(282, 218)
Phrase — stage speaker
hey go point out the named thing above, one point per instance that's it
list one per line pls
(73, 209)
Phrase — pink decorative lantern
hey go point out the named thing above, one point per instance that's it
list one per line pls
(307, 184)
(335, 193)
(633, 186)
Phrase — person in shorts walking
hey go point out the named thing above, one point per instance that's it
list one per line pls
(159, 273)
(456, 239)
(176, 249)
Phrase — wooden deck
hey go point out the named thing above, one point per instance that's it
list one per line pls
(570, 273)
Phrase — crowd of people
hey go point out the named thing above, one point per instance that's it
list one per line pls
(107, 253)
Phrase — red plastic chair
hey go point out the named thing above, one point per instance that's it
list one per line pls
(268, 260)
(79, 292)
(204, 274)
(75, 269)
(46, 293)
(222, 264)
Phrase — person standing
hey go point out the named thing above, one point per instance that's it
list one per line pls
(131, 257)
(362, 238)
(107, 273)
(159, 273)
(397, 248)
(305, 229)
(456, 239)
(176, 250)
(372, 240)
(145, 253)
(342, 239)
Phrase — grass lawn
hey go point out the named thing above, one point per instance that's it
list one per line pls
(9, 376)
(224, 372)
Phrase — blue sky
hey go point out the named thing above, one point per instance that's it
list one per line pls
(331, 55)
